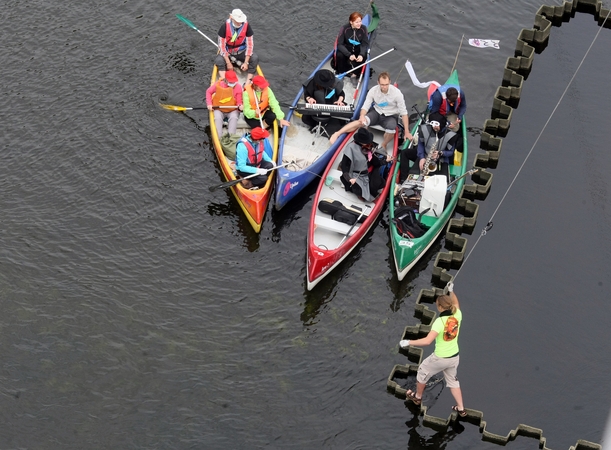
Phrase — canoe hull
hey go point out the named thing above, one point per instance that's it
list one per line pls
(253, 203)
(407, 252)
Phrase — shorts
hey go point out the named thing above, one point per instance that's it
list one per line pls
(435, 364)
(389, 123)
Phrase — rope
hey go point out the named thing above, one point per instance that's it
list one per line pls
(490, 222)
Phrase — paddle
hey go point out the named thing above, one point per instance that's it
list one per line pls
(469, 172)
(188, 22)
(342, 75)
(237, 180)
(353, 225)
(186, 108)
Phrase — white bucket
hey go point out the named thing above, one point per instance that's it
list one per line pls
(434, 195)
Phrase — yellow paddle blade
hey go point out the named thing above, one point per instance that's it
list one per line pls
(173, 107)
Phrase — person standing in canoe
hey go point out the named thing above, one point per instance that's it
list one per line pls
(383, 106)
(236, 46)
(260, 103)
(252, 157)
(351, 44)
(361, 168)
(225, 97)
(444, 332)
(323, 89)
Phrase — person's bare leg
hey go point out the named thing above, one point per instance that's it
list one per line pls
(420, 389)
(457, 394)
(348, 128)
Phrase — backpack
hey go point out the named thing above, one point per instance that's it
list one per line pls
(408, 224)
(338, 211)
(228, 144)
(450, 329)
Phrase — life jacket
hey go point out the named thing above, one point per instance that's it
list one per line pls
(263, 101)
(444, 109)
(235, 42)
(255, 155)
(429, 140)
(223, 96)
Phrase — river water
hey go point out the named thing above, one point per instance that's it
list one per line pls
(140, 311)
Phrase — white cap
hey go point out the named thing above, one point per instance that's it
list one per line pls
(238, 15)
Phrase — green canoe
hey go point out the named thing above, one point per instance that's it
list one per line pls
(408, 250)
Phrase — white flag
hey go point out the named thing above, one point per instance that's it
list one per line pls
(482, 43)
(412, 75)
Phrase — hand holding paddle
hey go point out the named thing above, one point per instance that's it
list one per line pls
(238, 180)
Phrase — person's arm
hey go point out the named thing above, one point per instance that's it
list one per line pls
(223, 43)
(308, 91)
(211, 90)
(364, 43)
(268, 152)
(238, 94)
(249, 113)
(454, 299)
(448, 151)
(250, 43)
(274, 105)
(345, 166)
(436, 102)
(341, 42)
(423, 342)
(463, 105)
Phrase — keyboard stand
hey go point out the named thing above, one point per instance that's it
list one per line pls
(320, 130)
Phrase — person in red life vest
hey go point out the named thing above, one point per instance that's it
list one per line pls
(225, 97)
(352, 44)
(260, 103)
(253, 157)
(236, 46)
(444, 332)
(446, 100)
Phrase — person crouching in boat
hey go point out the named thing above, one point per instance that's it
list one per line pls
(351, 44)
(324, 89)
(435, 137)
(260, 103)
(252, 157)
(361, 168)
(225, 98)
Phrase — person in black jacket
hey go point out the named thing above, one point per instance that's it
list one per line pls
(361, 167)
(352, 44)
(324, 88)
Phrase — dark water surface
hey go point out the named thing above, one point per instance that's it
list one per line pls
(140, 311)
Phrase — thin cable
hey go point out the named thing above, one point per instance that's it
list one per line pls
(489, 224)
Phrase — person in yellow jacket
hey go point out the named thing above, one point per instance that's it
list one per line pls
(260, 103)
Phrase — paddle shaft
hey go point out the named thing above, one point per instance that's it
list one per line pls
(342, 75)
(237, 180)
(187, 108)
(453, 182)
(353, 225)
(189, 23)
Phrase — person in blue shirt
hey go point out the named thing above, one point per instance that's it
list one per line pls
(253, 156)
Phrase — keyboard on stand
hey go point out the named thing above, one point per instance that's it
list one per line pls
(316, 109)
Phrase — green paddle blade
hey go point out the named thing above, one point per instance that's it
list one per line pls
(187, 21)
(375, 18)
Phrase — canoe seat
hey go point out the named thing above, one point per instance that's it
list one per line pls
(333, 225)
